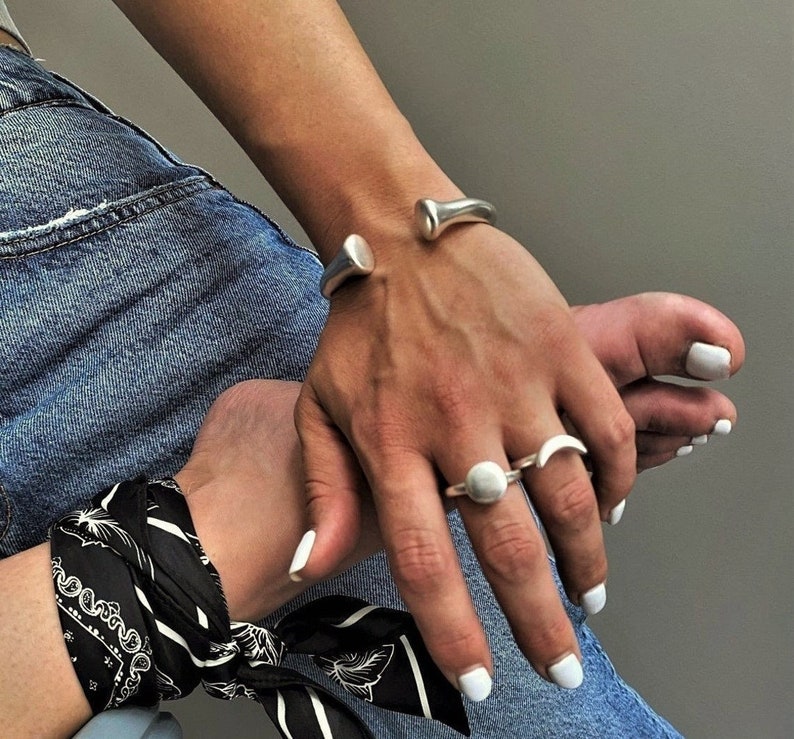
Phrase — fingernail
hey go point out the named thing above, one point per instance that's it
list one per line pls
(475, 684)
(616, 513)
(594, 599)
(684, 450)
(567, 673)
(302, 555)
(708, 362)
(723, 427)
(700, 440)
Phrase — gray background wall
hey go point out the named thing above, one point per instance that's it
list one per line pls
(631, 146)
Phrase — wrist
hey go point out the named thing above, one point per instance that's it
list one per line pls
(367, 183)
(379, 204)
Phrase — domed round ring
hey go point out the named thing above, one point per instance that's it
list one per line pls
(486, 482)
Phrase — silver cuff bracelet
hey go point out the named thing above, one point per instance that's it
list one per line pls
(433, 217)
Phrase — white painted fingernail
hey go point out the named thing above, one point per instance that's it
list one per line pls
(684, 450)
(302, 555)
(723, 427)
(594, 599)
(708, 362)
(567, 673)
(475, 684)
(616, 513)
(700, 440)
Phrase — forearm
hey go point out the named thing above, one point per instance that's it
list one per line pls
(290, 81)
(39, 691)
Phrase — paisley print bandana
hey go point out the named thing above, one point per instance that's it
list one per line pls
(144, 619)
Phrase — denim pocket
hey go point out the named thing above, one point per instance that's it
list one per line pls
(64, 163)
(78, 223)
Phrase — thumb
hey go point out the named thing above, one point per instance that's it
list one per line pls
(332, 481)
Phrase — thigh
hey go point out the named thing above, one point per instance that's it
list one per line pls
(134, 290)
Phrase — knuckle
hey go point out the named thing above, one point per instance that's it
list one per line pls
(452, 397)
(319, 491)
(621, 431)
(418, 563)
(549, 637)
(551, 327)
(383, 433)
(511, 552)
(383, 422)
(452, 648)
(573, 507)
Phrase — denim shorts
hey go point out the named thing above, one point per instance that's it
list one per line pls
(134, 289)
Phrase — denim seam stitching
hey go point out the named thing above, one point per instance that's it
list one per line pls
(48, 103)
(184, 196)
(94, 104)
(123, 203)
(5, 525)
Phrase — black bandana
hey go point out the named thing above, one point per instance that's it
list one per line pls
(145, 620)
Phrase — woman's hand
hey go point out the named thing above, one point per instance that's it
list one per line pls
(427, 373)
(244, 480)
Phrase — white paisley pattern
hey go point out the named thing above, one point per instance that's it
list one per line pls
(69, 588)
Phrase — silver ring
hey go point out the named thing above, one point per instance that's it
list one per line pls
(486, 482)
(550, 448)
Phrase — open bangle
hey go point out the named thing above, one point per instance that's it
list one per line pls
(433, 217)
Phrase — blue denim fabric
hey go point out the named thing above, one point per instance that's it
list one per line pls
(134, 289)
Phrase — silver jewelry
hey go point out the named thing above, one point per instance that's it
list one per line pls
(486, 482)
(550, 447)
(354, 259)
(433, 217)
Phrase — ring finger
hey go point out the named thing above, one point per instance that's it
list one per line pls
(513, 557)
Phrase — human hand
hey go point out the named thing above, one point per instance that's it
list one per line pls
(244, 480)
(446, 356)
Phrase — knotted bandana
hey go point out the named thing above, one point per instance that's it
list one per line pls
(145, 619)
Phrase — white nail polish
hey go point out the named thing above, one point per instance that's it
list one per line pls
(567, 673)
(723, 427)
(594, 599)
(684, 450)
(700, 440)
(708, 362)
(616, 513)
(475, 684)
(302, 555)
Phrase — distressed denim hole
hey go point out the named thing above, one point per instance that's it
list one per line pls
(5, 512)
